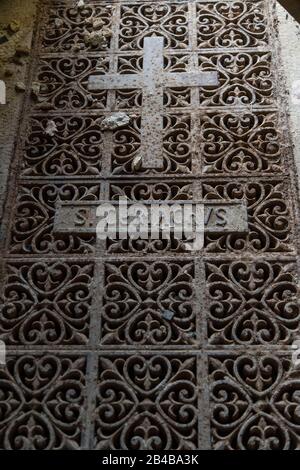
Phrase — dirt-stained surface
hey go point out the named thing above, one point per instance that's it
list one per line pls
(16, 27)
(123, 344)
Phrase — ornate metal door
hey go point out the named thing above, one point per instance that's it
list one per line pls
(142, 345)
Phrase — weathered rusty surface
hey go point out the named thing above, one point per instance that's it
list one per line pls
(186, 338)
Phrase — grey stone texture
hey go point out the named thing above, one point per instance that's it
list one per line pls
(16, 24)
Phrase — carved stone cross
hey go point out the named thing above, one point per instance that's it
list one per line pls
(152, 81)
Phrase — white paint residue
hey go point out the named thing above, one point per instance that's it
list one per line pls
(295, 95)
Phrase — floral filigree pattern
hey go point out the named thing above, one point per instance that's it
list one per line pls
(269, 217)
(34, 216)
(169, 20)
(245, 79)
(149, 303)
(231, 24)
(252, 303)
(46, 303)
(137, 344)
(177, 156)
(75, 149)
(146, 403)
(241, 143)
(42, 402)
(66, 28)
(63, 83)
(253, 400)
(156, 191)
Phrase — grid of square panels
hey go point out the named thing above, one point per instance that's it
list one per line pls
(172, 339)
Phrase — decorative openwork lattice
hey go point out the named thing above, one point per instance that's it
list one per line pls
(147, 346)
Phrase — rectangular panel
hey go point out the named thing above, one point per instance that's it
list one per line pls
(219, 217)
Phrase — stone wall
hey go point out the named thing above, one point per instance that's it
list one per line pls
(16, 27)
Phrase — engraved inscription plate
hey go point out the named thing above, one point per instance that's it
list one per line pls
(218, 217)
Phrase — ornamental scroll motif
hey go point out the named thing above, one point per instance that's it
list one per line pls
(142, 344)
(254, 402)
(42, 402)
